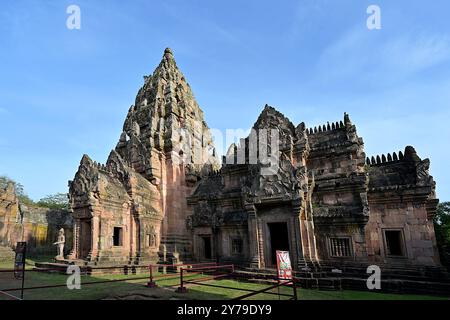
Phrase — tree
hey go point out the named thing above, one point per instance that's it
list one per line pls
(54, 201)
(18, 187)
(442, 229)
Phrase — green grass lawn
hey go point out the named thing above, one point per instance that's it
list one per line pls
(134, 288)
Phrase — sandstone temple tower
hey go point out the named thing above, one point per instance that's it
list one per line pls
(163, 196)
(134, 206)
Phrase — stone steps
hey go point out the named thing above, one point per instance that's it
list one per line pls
(399, 286)
(393, 281)
(408, 273)
(390, 276)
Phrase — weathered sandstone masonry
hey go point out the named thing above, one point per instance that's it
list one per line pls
(37, 226)
(162, 195)
(133, 208)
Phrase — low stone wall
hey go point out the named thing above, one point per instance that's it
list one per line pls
(40, 227)
(37, 226)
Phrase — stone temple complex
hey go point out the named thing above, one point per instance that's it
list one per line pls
(164, 196)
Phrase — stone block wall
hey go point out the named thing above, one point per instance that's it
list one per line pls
(401, 199)
(417, 231)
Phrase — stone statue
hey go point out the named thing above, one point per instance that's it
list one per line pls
(60, 243)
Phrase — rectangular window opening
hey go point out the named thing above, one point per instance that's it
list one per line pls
(340, 247)
(394, 243)
(236, 246)
(118, 237)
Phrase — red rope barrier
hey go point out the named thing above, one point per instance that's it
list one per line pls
(262, 290)
(190, 270)
(124, 267)
(208, 278)
(10, 295)
(65, 285)
(183, 289)
(238, 289)
(212, 267)
(183, 264)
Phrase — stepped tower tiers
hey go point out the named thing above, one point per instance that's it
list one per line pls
(134, 207)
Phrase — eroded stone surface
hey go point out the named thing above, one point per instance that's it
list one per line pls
(161, 196)
(337, 207)
(141, 190)
(37, 226)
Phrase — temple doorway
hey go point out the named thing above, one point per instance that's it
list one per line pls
(207, 247)
(85, 238)
(279, 239)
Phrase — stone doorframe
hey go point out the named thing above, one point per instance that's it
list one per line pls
(198, 242)
(266, 235)
(299, 234)
(302, 242)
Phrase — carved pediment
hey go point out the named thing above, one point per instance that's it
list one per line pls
(280, 184)
(205, 214)
(116, 165)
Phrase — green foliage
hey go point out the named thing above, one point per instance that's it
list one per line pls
(54, 201)
(18, 187)
(4, 181)
(442, 229)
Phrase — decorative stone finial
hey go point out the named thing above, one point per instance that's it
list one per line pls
(169, 51)
(411, 154)
(347, 119)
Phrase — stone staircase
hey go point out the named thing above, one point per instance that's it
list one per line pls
(6, 254)
(401, 280)
(307, 279)
(412, 280)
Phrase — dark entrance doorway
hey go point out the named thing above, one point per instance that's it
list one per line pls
(394, 242)
(118, 237)
(207, 247)
(85, 238)
(278, 239)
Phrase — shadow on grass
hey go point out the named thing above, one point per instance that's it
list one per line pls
(133, 288)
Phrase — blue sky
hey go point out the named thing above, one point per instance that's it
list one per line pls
(66, 92)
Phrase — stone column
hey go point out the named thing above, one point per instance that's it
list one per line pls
(300, 234)
(75, 253)
(132, 237)
(253, 237)
(259, 235)
(138, 237)
(312, 240)
(95, 234)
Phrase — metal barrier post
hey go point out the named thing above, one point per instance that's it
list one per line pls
(294, 287)
(181, 288)
(151, 283)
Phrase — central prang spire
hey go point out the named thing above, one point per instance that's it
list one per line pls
(164, 109)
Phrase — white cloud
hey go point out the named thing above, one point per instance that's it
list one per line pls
(413, 54)
(368, 56)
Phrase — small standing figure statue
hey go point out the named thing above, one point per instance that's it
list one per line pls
(60, 244)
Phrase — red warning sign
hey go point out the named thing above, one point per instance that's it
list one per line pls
(284, 265)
